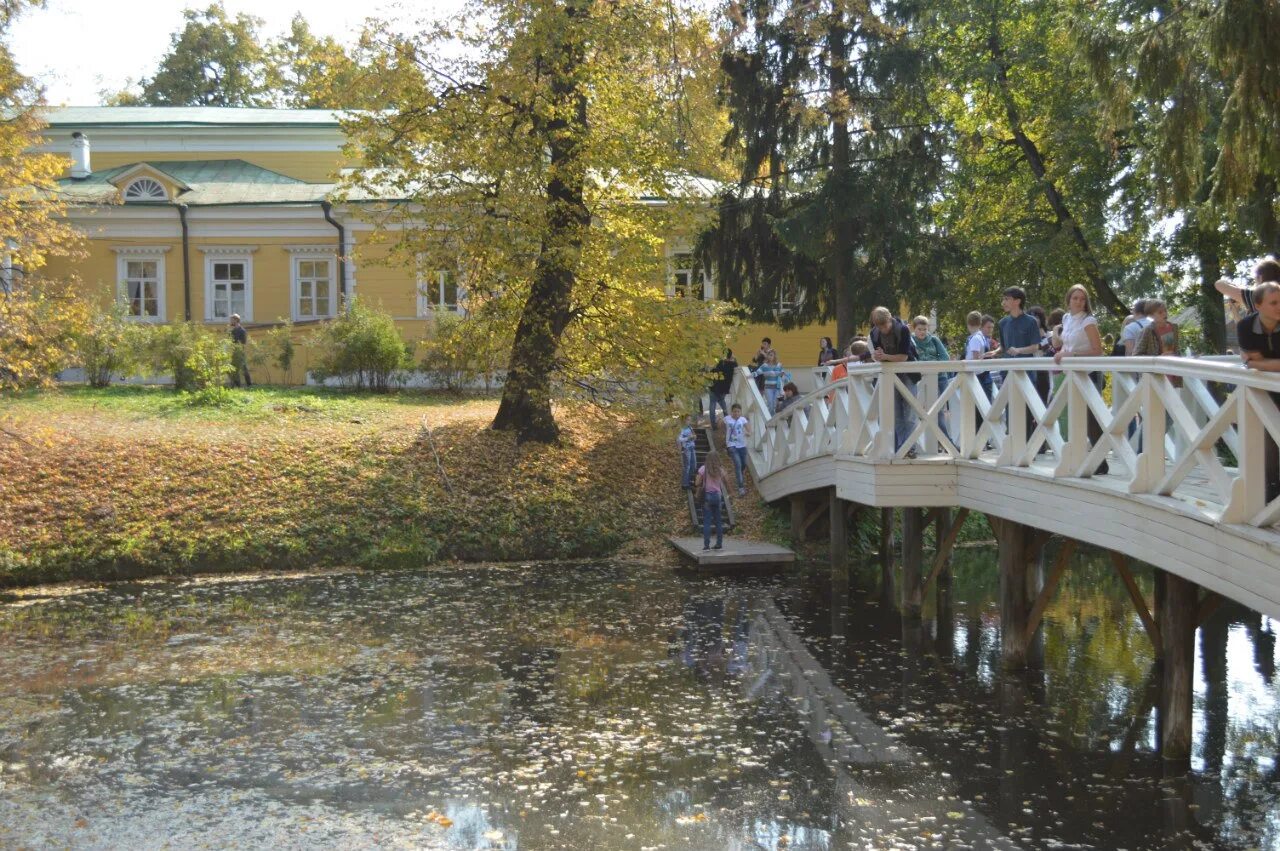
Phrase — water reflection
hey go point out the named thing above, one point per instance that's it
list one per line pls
(617, 707)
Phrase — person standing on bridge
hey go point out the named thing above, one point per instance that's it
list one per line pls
(712, 484)
(932, 349)
(721, 383)
(1020, 335)
(1080, 339)
(1259, 335)
(736, 432)
(891, 342)
(1267, 271)
(688, 444)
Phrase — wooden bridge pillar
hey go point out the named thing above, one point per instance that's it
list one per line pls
(1177, 619)
(886, 554)
(838, 520)
(912, 562)
(1019, 546)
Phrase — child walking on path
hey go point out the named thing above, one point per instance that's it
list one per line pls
(712, 484)
(735, 440)
(688, 454)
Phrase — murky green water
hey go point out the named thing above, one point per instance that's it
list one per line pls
(613, 707)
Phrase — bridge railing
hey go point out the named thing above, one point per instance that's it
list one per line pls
(1164, 425)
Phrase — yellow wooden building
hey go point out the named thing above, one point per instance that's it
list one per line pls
(195, 213)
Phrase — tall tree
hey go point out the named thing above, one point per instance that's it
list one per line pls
(214, 60)
(525, 144)
(37, 315)
(1032, 195)
(831, 120)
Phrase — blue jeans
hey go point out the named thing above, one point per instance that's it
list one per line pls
(738, 454)
(944, 381)
(717, 399)
(711, 508)
(904, 418)
(690, 467)
(771, 399)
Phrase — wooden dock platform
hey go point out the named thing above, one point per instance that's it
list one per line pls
(736, 552)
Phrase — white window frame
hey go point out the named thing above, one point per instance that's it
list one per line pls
(674, 268)
(163, 196)
(435, 279)
(216, 255)
(295, 283)
(124, 256)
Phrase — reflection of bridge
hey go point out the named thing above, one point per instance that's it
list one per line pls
(1173, 496)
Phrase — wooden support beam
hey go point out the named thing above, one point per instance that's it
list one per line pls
(1014, 540)
(1036, 540)
(912, 559)
(797, 517)
(1178, 634)
(886, 553)
(839, 533)
(1060, 565)
(818, 511)
(1209, 604)
(946, 544)
(934, 515)
(1121, 563)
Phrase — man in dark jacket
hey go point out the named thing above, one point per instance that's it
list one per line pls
(239, 355)
(892, 342)
(720, 384)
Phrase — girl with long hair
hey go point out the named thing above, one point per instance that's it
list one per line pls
(714, 485)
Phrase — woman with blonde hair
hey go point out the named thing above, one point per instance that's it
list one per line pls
(1080, 338)
(713, 485)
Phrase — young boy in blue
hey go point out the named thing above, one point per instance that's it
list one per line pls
(688, 455)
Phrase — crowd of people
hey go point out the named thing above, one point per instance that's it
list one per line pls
(1022, 332)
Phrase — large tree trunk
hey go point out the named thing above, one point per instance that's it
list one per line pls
(840, 248)
(526, 397)
(1213, 324)
(1035, 161)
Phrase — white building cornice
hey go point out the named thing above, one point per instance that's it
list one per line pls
(223, 250)
(142, 249)
(311, 249)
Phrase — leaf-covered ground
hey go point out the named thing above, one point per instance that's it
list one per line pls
(132, 481)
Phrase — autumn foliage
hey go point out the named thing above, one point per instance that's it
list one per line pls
(130, 481)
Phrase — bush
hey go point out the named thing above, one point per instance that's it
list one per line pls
(458, 351)
(39, 321)
(361, 349)
(199, 360)
(109, 345)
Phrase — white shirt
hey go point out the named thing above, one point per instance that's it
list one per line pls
(976, 347)
(1074, 337)
(1132, 332)
(735, 430)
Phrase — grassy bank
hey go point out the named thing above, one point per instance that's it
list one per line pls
(124, 482)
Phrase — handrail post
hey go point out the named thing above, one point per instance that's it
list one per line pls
(1248, 491)
(886, 395)
(967, 398)
(1077, 445)
(1151, 460)
(1015, 422)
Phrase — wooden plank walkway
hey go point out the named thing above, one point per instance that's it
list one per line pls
(737, 551)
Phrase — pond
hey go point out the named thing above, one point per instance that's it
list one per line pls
(614, 706)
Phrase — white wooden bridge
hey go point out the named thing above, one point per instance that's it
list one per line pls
(1173, 495)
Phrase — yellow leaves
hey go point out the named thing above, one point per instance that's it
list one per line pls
(440, 819)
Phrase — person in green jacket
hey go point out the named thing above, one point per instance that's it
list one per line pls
(930, 348)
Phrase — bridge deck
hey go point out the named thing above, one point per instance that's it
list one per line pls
(1187, 507)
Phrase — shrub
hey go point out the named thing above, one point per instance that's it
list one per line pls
(458, 351)
(199, 360)
(38, 324)
(109, 345)
(361, 349)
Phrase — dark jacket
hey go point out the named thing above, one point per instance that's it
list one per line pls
(724, 375)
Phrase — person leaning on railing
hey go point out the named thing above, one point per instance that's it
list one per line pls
(930, 348)
(1259, 336)
(1079, 338)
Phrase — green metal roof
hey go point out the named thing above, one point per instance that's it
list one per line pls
(187, 116)
(209, 183)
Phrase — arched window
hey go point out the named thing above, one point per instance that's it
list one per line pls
(145, 189)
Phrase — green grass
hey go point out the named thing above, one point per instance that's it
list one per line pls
(253, 404)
